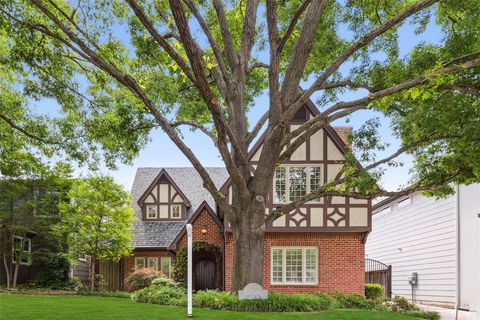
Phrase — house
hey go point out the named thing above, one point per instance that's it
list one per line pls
(323, 240)
(28, 210)
(439, 239)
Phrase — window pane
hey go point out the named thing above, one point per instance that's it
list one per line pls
(277, 272)
(165, 265)
(293, 266)
(311, 265)
(298, 182)
(151, 212)
(153, 262)
(280, 185)
(176, 211)
(315, 182)
(139, 263)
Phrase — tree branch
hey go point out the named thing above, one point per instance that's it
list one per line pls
(292, 25)
(256, 129)
(196, 126)
(225, 31)
(15, 126)
(361, 43)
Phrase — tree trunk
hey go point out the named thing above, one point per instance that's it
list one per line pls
(15, 275)
(92, 274)
(248, 244)
(7, 271)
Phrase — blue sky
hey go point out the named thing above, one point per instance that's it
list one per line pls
(161, 152)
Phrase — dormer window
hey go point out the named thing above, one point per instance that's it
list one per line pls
(163, 200)
(152, 212)
(294, 182)
(176, 211)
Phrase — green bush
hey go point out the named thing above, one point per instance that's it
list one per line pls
(54, 270)
(374, 291)
(141, 278)
(401, 304)
(158, 294)
(352, 301)
(165, 282)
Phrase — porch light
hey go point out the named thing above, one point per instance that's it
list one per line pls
(204, 230)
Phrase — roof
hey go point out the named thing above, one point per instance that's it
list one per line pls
(160, 234)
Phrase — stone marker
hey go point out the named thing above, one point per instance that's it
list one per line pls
(252, 291)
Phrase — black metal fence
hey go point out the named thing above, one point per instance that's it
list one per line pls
(380, 273)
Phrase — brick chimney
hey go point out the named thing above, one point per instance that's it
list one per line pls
(343, 132)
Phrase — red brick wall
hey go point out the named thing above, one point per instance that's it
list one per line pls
(203, 221)
(340, 256)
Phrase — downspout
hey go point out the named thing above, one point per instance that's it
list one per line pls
(457, 254)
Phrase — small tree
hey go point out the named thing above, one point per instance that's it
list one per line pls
(97, 221)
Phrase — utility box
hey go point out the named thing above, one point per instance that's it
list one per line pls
(413, 280)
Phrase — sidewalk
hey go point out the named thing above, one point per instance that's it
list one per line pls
(449, 314)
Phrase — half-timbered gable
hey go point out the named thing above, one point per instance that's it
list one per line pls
(317, 161)
(163, 200)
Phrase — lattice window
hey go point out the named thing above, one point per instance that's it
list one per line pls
(153, 262)
(292, 183)
(277, 269)
(280, 185)
(294, 265)
(315, 179)
(152, 212)
(311, 265)
(298, 183)
(166, 266)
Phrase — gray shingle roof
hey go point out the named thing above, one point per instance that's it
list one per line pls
(162, 233)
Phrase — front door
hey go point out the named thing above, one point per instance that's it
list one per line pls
(205, 274)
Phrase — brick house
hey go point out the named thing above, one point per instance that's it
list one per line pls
(317, 247)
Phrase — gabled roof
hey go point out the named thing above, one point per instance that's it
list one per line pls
(160, 234)
(163, 174)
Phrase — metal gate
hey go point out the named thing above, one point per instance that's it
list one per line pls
(380, 273)
(204, 274)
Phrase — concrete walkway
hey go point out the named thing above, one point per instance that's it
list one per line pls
(449, 314)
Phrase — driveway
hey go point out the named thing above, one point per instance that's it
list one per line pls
(449, 314)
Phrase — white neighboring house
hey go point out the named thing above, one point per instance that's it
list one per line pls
(439, 239)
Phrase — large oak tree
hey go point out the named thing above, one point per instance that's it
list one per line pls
(120, 68)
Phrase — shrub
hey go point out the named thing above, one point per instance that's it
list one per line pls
(214, 299)
(165, 282)
(399, 304)
(104, 293)
(141, 278)
(374, 291)
(353, 301)
(166, 295)
(54, 270)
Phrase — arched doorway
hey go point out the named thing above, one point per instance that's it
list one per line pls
(205, 274)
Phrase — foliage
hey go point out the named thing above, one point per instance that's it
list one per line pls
(374, 291)
(165, 282)
(54, 270)
(104, 293)
(166, 295)
(180, 266)
(22, 307)
(141, 278)
(401, 304)
(97, 220)
(353, 301)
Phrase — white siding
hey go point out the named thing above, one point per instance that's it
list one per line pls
(420, 237)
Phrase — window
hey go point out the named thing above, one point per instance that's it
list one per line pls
(176, 209)
(153, 262)
(151, 212)
(22, 247)
(405, 202)
(139, 262)
(166, 266)
(294, 265)
(292, 183)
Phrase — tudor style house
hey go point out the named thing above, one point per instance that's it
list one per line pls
(317, 247)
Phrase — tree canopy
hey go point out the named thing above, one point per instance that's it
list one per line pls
(118, 69)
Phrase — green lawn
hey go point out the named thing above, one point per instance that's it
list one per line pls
(16, 306)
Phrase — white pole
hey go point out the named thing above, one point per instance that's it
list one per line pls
(189, 270)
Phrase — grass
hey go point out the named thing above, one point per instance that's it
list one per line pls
(19, 307)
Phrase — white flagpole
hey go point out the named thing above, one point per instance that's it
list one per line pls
(189, 270)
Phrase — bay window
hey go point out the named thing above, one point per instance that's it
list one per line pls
(294, 182)
(294, 265)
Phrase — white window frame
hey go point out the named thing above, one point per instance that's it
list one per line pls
(287, 181)
(284, 266)
(148, 262)
(156, 211)
(29, 251)
(144, 263)
(179, 206)
(169, 266)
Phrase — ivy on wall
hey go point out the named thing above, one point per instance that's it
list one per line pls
(180, 267)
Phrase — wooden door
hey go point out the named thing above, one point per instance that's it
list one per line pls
(204, 274)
